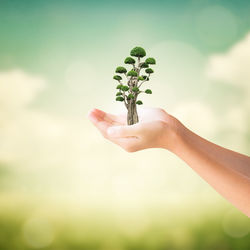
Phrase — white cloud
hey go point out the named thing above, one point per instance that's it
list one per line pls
(233, 66)
(18, 89)
(198, 117)
(30, 137)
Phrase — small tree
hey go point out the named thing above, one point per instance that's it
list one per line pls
(129, 92)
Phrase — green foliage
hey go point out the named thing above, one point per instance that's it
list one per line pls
(125, 88)
(120, 70)
(205, 232)
(125, 91)
(119, 99)
(129, 60)
(138, 52)
(148, 91)
(150, 60)
(130, 96)
(144, 65)
(145, 78)
(118, 78)
(132, 73)
(135, 89)
(149, 71)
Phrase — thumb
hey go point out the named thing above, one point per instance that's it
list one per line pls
(123, 131)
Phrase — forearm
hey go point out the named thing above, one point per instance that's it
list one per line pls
(236, 161)
(205, 159)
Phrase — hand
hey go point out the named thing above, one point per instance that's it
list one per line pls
(156, 129)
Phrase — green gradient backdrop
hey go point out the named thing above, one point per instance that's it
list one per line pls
(62, 186)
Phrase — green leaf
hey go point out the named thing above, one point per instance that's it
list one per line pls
(120, 70)
(119, 99)
(118, 93)
(117, 77)
(150, 60)
(139, 102)
(131, 96)
(132, 73)
(135, 89)
(125, 88)
(129, 60)
(148, 91)
(144, 65)
(119, 86)
(140, 78)
(149, 71)
(138, 52)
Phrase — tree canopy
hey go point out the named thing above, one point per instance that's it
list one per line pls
(125, 88)
(119, 86)
(135, 89)
(131, 96)
(144, 65)
(150, 60)
(132, 73)
(120, 70)
(148, 91)
(149, 71)
(129, 87)
(129, 60)
(119, 99)
(117, 77)
(138, 52)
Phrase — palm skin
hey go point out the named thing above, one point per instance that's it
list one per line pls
(154, 129)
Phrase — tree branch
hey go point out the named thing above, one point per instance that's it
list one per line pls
(126, 76)
(124, 97)
(141, 83)
(141, 92)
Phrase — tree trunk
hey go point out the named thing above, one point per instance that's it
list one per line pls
(132, 116)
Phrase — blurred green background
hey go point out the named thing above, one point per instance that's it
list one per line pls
(62, 186)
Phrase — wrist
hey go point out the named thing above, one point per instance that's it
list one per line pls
(174, 132)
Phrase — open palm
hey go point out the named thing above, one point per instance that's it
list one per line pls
(145, 134)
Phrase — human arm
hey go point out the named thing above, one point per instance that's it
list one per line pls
(227, 171)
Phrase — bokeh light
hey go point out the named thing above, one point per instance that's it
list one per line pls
(236, 224)
(62, 185)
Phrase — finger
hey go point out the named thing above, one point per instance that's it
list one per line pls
(101, 125)
(96, 114)
(101, 115)
(124, 131)
(118, 119)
